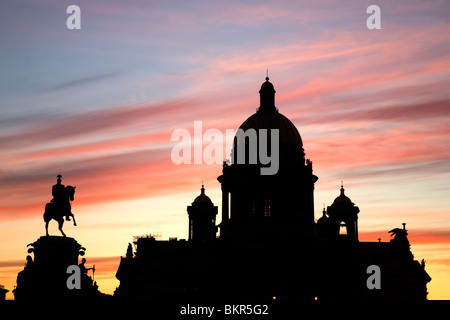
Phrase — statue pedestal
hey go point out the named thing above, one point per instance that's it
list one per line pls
(55, 252)
(46, 276)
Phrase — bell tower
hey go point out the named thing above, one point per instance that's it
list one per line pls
(202, 218)
(343, 214)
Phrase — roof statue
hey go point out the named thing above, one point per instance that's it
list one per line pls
(400, 235)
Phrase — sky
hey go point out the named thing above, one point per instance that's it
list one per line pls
(99, 105)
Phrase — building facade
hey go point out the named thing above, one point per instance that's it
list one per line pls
(269, 244)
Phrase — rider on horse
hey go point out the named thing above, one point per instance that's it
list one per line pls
(61, 198)
(59, 207)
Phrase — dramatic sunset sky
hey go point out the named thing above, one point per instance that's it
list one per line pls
(98, 105)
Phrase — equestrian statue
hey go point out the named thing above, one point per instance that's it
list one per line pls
(59, 207)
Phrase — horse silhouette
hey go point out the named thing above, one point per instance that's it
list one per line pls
(57, 211)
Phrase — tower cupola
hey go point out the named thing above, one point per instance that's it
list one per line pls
(267, 96)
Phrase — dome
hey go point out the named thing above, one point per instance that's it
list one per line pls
(323, 218)
(268, 117)
(202, 197)
(274, 120)
(342, 197)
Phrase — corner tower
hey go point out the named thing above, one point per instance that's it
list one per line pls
(280, 204)
(343, 214)
(202, 218)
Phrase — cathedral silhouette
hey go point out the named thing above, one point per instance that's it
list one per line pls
(268, 245)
